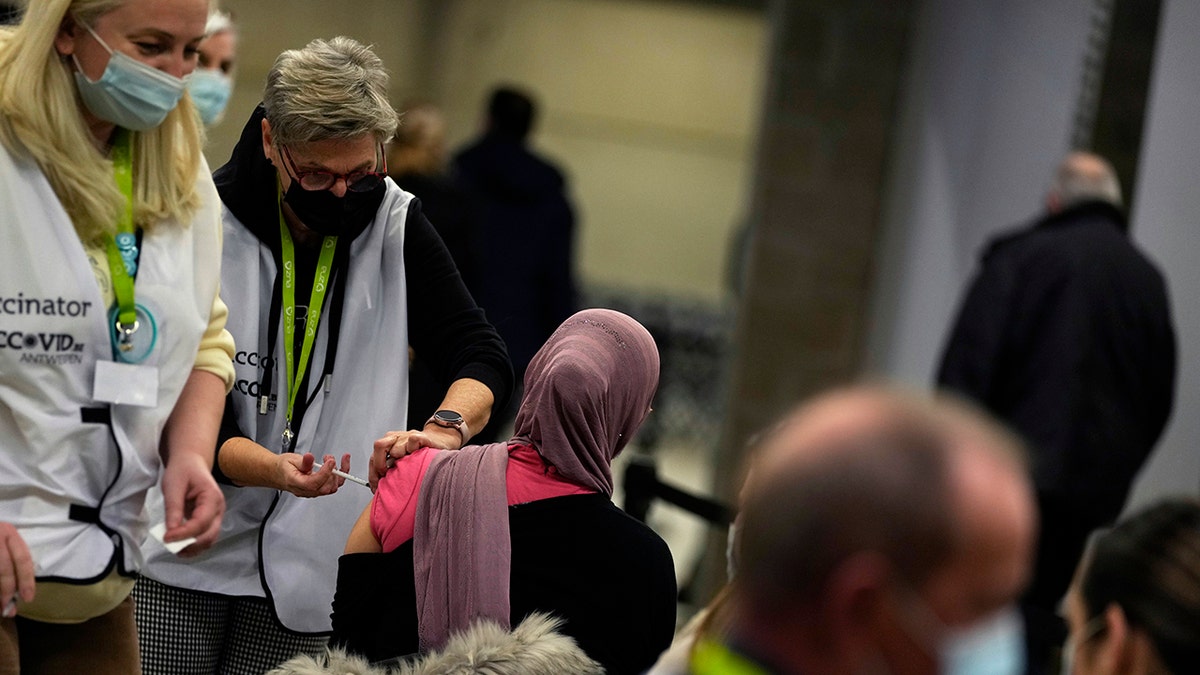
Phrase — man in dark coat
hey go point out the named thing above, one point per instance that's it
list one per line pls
(1066, 335)
(527, 287)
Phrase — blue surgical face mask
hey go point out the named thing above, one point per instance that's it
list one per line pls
(210, 90)
(129, 93)
(994, 645)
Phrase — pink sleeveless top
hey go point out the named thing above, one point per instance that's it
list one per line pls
(528, 478)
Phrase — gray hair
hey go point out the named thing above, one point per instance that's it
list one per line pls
(329, 89)
(1084, 177)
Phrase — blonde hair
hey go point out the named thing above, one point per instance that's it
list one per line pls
(329, 89)
(40, 118)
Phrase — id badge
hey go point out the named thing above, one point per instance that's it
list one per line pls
(125, 384)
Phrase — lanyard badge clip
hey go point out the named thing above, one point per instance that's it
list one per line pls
(124, 334)
(288, 436)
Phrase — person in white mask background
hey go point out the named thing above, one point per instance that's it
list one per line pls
(1134, 605)
(114, 358)
(211, 84)
(880, 532)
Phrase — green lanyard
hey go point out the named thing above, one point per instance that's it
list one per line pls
(714, 658)
(122, 249)
(295, 372)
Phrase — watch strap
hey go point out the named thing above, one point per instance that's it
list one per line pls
(460, 425)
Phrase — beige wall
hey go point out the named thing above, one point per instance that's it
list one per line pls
(651, 107)
(268, 27)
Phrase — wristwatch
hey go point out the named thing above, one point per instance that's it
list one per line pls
(451, 420)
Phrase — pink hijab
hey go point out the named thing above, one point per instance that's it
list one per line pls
(587, 390)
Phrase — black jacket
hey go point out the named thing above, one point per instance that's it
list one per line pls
(1066, 335)
(446, 326)
(528, 286)
(578, 558)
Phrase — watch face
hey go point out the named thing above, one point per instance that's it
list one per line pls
(449, 417)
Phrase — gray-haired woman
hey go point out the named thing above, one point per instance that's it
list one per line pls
(330, 273)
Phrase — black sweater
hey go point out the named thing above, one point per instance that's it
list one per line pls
(577, 557)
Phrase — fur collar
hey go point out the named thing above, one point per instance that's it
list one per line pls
(532, 648)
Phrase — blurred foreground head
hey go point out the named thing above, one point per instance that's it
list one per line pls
(887, 531)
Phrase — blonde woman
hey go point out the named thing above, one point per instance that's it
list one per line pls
(115, 359)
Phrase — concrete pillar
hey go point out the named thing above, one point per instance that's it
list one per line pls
(834, 72)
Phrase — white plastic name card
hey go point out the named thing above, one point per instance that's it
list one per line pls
(125, 384)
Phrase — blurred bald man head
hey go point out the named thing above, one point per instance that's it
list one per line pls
(1083, 177)
(882, 530)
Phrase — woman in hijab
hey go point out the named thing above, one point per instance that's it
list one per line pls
(500, 531)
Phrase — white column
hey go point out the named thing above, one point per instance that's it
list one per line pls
(1166, 224)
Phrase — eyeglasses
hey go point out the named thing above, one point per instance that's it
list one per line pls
(357, 181)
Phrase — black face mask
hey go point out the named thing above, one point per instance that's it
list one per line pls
(331, 216)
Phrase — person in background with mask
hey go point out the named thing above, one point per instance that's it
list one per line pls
(115, 360)
(882, 533)
(1134, 606)
(211, 83)
(330, 271)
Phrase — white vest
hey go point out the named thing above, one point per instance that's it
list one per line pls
(300, 539)
(73, 483)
